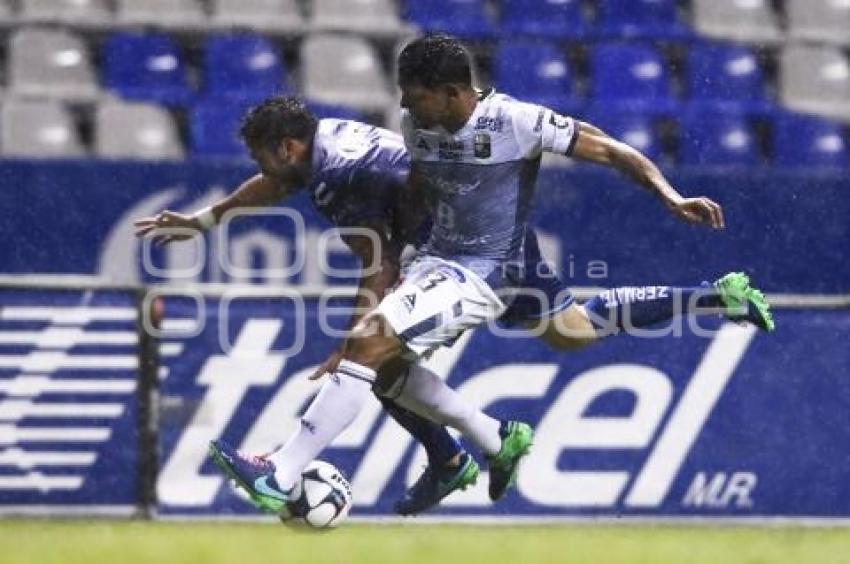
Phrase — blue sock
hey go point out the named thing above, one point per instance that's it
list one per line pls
(642, 306)
(439, 444)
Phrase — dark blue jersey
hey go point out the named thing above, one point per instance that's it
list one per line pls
(358, 172)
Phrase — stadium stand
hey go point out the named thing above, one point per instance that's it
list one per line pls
(343, 70)
(816, 79)
(737, 20)
(242, 66)
(536, 72)
(826, 21)
(182, 14)
(38, 129)
(717, 138)
(6, 14)
(147, 67)
(371, 17)
(467, 19)
(636, 66)
(86, 13)
(640, 19)
(549, 19)
(213, 128)
(726, 76)
(631, 77)
(274, 16)
(51, 64)
(806, 141)
(133, 130)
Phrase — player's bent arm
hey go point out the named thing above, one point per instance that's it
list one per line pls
(594, 145)
(411, 207)
(380, 269)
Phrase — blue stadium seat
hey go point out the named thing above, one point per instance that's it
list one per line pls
(631, 77)
(717, 138)
(644, 19)
(146, 66)
(635, 129)
(214, 128)
(322, 111)
(800, 140)
(466, 19)
(550, 19)
(535, 72)
(242, 66)
(727, 77)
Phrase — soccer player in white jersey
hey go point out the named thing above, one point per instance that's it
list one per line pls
(475, 157)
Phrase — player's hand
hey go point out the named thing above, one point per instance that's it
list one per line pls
(702, 211)
(329, 366)
(161, 227)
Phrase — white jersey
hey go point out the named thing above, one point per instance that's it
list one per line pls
(481, 178)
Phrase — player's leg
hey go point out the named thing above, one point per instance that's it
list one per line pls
(623, 309)
(451, 299)
(397, 325)
(504, 443)
(269, 480)
(450, 467)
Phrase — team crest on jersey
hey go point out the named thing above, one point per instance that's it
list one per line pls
(422, 144)
(481, 145)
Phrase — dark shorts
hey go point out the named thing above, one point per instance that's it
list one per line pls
(537, 291)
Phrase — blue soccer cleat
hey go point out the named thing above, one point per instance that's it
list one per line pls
(437, 483)
(254, 474)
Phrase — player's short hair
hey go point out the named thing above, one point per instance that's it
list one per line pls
(275, 119)
(434, 60)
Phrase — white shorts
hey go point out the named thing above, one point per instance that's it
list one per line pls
(435, 301)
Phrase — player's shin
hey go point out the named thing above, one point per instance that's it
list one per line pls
(336, 405)
(435, 439)
(423, 392)
(636, 307)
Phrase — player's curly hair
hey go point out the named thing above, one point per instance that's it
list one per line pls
(267, 124)
(434, 60)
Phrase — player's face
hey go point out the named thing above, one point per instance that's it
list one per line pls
(429, 106)
(281, 164)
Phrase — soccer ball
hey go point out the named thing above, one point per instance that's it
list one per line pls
(321, 500)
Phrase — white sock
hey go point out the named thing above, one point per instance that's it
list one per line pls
(425, 394)
(333, 409)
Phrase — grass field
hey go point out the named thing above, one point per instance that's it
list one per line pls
(116, 542)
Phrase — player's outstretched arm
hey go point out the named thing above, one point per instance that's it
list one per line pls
(257, 191)
(594, 145)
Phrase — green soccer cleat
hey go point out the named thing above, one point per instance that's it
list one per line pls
(743, 302)
(516, 442)
(437, 483)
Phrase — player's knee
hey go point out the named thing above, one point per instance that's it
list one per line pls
(390, 377)
(570, 330)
